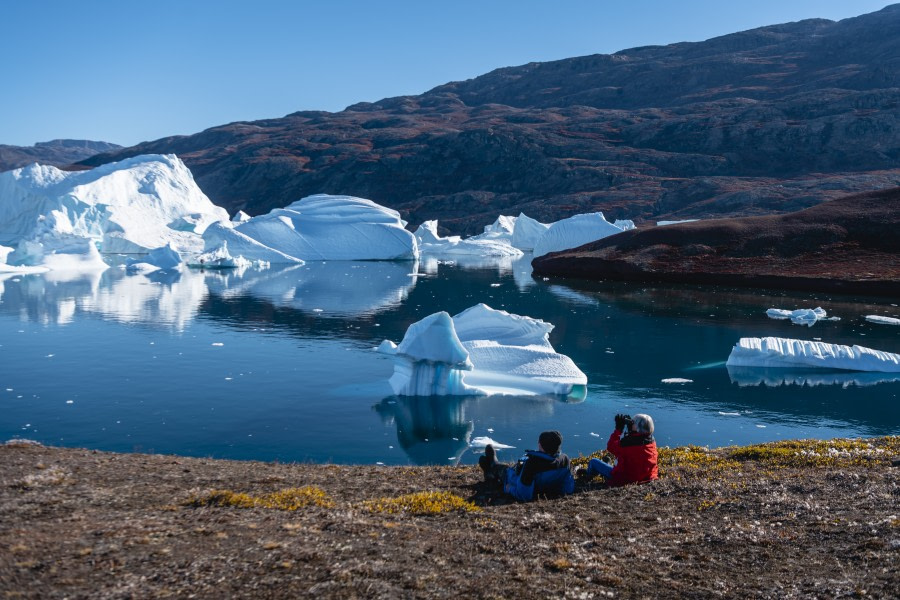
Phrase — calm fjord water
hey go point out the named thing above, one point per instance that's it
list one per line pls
(279, 364)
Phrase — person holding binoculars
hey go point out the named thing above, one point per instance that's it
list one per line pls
(633, 446)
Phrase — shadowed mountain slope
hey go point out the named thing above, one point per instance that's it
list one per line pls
(55, 152)
(850, 244)
(759, 122)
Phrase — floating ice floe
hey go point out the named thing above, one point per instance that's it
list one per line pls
(131, 206)
(431, 243)
(326, 227)
(577, 231)
(787, 353)
(676, 380)
(483, 441)
(801, 316)
(481, 351)
(882, 320)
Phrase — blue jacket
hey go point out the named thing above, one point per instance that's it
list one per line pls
(538, 472)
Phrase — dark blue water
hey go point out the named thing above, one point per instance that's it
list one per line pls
(279, 364)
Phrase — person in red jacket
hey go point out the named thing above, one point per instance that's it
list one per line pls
(635, 453)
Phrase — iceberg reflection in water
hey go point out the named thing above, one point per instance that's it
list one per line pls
(777, 377)
(436, 430)
(332, 288)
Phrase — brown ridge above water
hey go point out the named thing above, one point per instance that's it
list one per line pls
(850, 244)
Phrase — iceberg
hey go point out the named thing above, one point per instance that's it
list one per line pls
(882, 320)
(220, 235)
(790, 353)
(161, 259)
(481, 351)
(500, 229)
(326, 227)
(801, 316)
(129, 207)
(220, 258)
(527, 232)
(577, 231)
(432, 244)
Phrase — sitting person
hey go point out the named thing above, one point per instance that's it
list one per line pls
(542, 471)
(635, 453)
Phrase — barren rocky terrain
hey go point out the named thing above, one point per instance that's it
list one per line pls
(850, 244)
(814, 519)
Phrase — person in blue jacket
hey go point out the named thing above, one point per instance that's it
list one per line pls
(542, 471)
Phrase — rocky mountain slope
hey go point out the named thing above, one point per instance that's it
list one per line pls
(850, 244)
(758, 122)
(55, 152)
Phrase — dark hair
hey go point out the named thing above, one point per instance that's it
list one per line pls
(550, 441)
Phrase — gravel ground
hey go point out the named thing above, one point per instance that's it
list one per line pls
(813, 520)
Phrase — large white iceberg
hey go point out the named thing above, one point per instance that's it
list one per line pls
(131, 207)
(431, 243)
(481, 351)
(577, 231)
(527, 232)
(326, 227)
(784, 352)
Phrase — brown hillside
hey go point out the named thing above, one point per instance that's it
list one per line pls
(849, 244)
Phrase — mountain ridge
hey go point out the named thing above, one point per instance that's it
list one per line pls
(764, 121)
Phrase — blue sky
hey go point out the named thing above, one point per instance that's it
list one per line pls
(124, 72)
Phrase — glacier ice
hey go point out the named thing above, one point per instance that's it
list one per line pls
(219, 235)
(481, 351)
(527, 232)
(327, 227)
(166, 258)
(577, 231)
(431, 243)
(131, 206)
(786, 353)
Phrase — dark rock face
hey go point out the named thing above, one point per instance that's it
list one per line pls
(56, 152)
(759, 122)
(851, 244)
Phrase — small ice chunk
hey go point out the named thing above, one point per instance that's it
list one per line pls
(218, 344)
(482, 441)
(801, 316)
(677, 380)
(729, 414)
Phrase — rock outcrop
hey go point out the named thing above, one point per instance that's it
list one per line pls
(850, 244)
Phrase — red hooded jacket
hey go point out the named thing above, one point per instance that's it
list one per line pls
(636, 456)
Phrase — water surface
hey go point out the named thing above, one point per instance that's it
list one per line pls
(279, 364)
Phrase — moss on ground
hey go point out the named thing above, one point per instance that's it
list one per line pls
(287, 499)
(421, 503)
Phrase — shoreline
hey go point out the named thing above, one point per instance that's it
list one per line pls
(813, 518)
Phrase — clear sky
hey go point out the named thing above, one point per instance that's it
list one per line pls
(123, 71)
